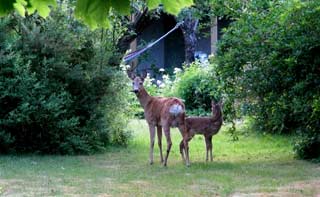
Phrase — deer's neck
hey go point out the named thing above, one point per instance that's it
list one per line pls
(144, 97)
(217, 116)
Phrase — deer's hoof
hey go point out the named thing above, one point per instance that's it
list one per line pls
(151, 162)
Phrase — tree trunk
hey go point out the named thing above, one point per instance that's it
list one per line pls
(189, 28)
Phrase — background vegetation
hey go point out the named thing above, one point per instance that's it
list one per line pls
(58, 93)
(270, 68)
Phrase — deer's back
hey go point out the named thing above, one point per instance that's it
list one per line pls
(157, 112)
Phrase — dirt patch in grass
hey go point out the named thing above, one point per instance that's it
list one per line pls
(141, 183)
(296, 189)
(8, 187)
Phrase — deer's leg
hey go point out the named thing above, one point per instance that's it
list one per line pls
(166, 130)
(210, 148)
(206, 138)
(152, 135)
(185, 146)
(159, 132)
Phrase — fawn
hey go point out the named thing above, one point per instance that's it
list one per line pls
(161, 112)
(207, 126)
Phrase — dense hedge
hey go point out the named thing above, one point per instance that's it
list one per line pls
(57, 92)
(269, 61)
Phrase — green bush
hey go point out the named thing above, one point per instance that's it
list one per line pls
(58, 94)
(197, 85)
(269, 63)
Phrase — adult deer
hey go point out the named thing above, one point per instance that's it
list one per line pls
(207, 126)
(161, 112)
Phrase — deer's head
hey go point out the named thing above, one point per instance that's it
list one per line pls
(137, 82)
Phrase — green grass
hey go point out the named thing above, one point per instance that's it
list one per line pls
(256, 165)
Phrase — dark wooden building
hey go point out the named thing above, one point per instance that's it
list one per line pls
(169, 52)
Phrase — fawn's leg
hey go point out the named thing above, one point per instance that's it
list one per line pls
(166, 130)
(152, 135)
(181, 146)
(182, 150)
(210, 148)
(186, 149)
(185, 141)
(159, 132)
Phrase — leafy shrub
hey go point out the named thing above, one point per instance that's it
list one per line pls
(307, 147)
(269, 63)
(197, 85)
(58, 94)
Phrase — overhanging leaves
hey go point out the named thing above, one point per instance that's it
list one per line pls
(94, 13)
(41, 6)
(6, 6)
(174, 7)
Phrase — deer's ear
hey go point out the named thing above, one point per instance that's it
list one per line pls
(213, 103)
(131, 74)
(144, 75)
(220, 103)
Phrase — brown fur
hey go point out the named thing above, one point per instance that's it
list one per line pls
(207, 126)
(156, 112)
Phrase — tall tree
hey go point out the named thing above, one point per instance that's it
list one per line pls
(195, 18)
(189, 28)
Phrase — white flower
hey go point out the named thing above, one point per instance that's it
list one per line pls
(165, 77)
(177, 70)
(162, 85)
(161, 70)
(124, 67)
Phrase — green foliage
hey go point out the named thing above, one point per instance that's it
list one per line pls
(197, 85)
(27, 6)
(307, 146)
(269, 62)
(94, 13)
(58, 94)
(116, 109)
(235, 9)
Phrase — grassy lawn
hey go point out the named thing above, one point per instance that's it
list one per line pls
(254, 166)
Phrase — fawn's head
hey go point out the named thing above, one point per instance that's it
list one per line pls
(216, 108)
(137, 82)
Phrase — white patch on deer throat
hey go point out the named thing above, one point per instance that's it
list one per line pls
(175, 109)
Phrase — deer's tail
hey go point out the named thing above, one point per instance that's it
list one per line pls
(176, 109)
